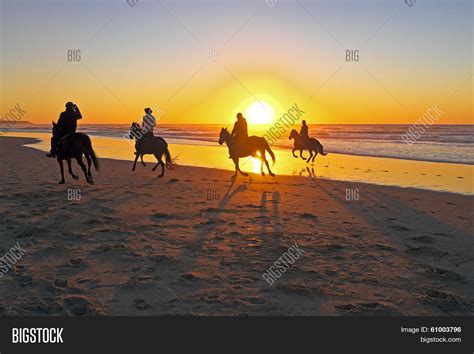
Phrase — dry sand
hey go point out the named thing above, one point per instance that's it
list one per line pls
(139, 245)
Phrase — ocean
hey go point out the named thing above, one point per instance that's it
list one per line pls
(439, 143)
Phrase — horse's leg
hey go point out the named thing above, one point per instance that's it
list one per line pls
(70, 169)
(268, 167)
(261, 165)
(61, 166)
(236, 163)
(310, 155)
(293, 152)
(315, 154)
(237, 168)
(135, 162)
(84, 169)
(301, 154)
(160, 163)
(89, 163)
(143, 162)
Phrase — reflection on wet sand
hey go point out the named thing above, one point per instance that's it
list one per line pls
(404, 173)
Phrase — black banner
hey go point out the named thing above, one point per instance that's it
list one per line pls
(176, 334)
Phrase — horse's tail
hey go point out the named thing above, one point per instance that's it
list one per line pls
(268, 148)
(169, 160)
(91, 153)
(321, 150)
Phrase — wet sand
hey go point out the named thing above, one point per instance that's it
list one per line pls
(437, 176)
(195, 242)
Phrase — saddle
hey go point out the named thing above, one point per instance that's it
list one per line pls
(242, 146)
(150, 136)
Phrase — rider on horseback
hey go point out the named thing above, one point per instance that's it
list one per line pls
(239, 132)
(67, 124)
(148, 123)
(148, 126)
(304, 133)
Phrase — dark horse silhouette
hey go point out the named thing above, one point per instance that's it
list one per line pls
(75, 145)
(255, 146)
(313, 146)
(155, 146)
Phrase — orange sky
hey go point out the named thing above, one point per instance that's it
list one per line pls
(198, 71)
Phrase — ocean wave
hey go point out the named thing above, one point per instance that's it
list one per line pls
(439, 143)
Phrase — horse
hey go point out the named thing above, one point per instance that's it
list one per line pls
(255, 146)
(313, 146)
(75, 145)
(155, 146)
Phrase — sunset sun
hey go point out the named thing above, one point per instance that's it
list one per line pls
(260, 112)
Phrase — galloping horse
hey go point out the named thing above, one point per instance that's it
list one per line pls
(255, 146)
(313, 146)
(75, 145)
(155, 146)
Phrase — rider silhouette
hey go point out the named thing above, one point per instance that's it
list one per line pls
(67, 124)
(148, 123)
(304, 133)
(239, 132)
(148, 127)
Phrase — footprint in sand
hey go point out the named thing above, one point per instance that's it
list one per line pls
(448, 302)
(426, 251)
(160, 216)
(308, 216)
(141, 304)
(60, 283)
(400, 228)
(445, 274)
(79, 306)
(368, 308)
(423, 239)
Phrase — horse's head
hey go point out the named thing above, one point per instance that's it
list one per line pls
(223, 136)
(135, 131)
(293, 134)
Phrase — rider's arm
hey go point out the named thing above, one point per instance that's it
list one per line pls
(78, 113)
(234, 130)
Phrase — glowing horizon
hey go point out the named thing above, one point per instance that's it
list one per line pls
(202, 63)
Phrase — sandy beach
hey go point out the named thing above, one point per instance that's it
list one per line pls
(196, 242)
